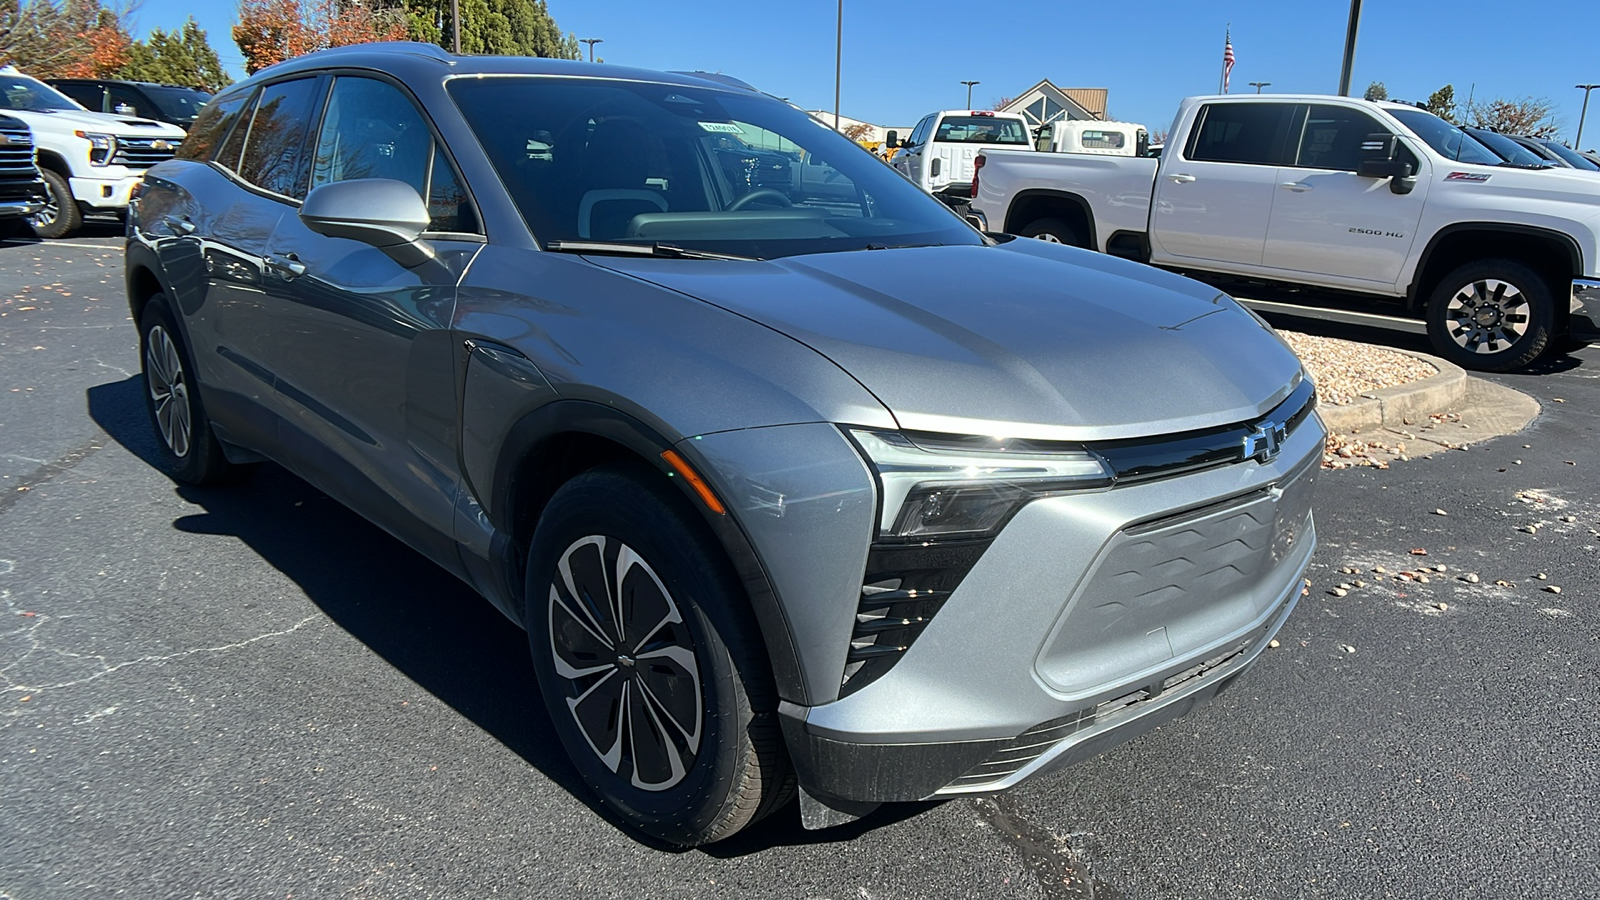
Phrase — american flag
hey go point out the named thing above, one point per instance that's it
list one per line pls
(1227, 60)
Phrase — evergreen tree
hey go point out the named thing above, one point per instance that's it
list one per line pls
(1442, 103)
(1376, 91)
(494, 27)
(178, 57)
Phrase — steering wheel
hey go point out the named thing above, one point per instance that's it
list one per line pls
(759, 194)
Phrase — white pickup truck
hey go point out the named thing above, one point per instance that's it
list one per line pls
(938, 155)
(1334, 193)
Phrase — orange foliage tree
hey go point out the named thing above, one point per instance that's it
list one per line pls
(67, 39)
(271, 31)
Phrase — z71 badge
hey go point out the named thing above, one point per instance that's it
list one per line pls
(1466, 176)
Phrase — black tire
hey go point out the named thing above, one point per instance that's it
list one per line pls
(732, 767)
(1494, 315)
(61, 217)
(1055, 231)
(188, 450)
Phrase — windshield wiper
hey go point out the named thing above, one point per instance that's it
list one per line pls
(660, 250)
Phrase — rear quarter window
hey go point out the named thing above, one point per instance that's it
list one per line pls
(213, 124)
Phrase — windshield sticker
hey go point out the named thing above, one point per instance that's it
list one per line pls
(1466, 176)
(722, 127)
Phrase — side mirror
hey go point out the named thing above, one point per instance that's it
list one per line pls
(385, 213)
(1380, 157)
(124, 109)
(892, 140)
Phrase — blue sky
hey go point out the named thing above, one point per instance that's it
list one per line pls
(904, 59)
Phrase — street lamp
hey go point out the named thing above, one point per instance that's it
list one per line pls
(1258, 85)
(591, 42)
(1577, 144)
(838, 64)
(969, 85)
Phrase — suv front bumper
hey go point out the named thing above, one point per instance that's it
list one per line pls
(1584, 318)
(1092, 619)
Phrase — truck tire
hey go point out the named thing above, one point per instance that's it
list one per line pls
(1493, 315)
(61, 216)
(1054, 231)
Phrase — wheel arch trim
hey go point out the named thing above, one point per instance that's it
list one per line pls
(1416, 292)
(1013, 222)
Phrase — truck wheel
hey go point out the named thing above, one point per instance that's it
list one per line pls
(1054, 231)
(1493, 315)
(649, 661)
(61, 216)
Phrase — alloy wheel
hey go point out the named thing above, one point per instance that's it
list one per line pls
(1048, 238)
(1487, 315)
(619, 640)
(169, 390)
(46, 217)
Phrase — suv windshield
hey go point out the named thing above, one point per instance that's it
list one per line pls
(704, 168)
(21, 92)
(178, 102)
(981, 130)
(1574, 158)
(1446, 139)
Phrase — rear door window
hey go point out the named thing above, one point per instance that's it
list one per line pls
(276, 157)
(92, 96)
(1251, 133)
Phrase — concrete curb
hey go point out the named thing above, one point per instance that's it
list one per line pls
(1390, 407)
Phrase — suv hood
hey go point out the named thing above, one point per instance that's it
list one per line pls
(1025, 339)
(59, 120)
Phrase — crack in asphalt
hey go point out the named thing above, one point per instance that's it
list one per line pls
(50, 470)
(1061, 874)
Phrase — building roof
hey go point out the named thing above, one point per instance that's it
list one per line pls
(1091, 99)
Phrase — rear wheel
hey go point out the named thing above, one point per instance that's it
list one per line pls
(1053, 231)
(189, 451)
(1494, 315)
(653, 673)
(61, 216)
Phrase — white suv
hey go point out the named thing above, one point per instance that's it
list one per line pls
(89, 160)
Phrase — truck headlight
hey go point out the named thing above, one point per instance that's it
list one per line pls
(101, 147)
(955, 487)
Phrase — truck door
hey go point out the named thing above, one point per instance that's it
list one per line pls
(1329, 221)
(910, 161)
(1213, 198)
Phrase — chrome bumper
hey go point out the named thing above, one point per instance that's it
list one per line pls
(19, 208)
(1584, 319)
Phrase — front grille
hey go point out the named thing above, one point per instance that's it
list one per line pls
(142, 153)
(1028, 746)
(16, 155)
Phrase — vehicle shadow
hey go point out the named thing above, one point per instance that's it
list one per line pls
(419, 618)
(99, 227)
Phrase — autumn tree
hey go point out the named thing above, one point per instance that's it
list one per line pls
(857, 132)
(176, 57)
(1002, 103)
(66, 39)
(1442, 103)
(1376, 91)
(1523, 116)
(271, 31)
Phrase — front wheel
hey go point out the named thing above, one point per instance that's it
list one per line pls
(1053, 231)
(649, 662)
(61, 216)
(1494, 315)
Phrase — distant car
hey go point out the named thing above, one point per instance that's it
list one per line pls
(22, 191)
(163, 102)
(1512, 152)
(844, 496)
(1561, 151)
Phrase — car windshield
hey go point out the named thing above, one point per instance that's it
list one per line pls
(178, 102)
(695, 167)
(1574, 158)
(21, 92)
(980, 130)
(1446, 139)
(1509, 150)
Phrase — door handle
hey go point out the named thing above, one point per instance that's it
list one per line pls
(178, 224)
(1299, 187)
(1180, 178)
(287, 266)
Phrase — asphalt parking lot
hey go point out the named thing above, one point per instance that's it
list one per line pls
(251, 692)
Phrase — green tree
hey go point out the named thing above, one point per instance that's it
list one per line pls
(1376, 91)
(1442, 103)
(497, 27)
(177, 57)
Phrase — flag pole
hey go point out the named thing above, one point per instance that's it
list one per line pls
(1227, 38)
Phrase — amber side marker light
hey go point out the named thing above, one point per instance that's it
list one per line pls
(701, 489)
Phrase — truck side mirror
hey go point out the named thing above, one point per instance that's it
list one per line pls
(892, 140)
(1379, 157)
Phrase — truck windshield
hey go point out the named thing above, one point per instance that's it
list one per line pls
(1446, 139)
(21, 92)
(179, 103)
(700, 168)
(981, 130)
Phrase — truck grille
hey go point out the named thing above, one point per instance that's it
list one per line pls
(16, 155)
(142, 153)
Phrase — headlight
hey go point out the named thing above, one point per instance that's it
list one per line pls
(959, 487)
(101, 147)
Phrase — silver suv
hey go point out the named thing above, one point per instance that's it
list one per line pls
(790, 489)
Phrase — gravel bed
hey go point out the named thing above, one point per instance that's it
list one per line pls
(1343, 370)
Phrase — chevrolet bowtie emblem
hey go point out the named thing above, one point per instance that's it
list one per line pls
(1265, 441)
(159, 144)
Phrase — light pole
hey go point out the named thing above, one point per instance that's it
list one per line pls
(838, 64)
(969, 85)
(591, 42)
(455, 26)
(1258, 85)
(1577, 143)
(1349, 48)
